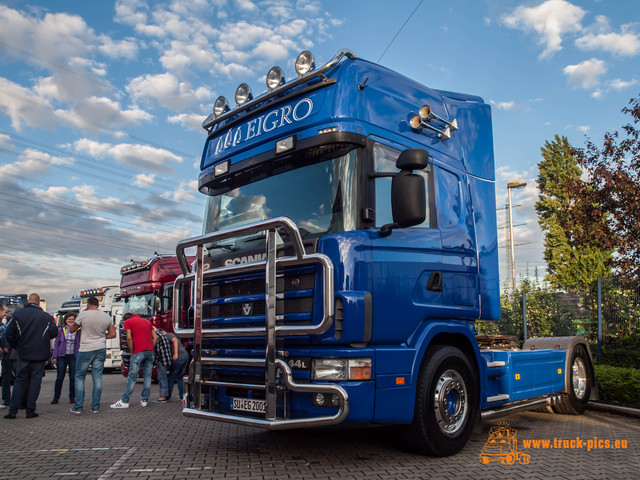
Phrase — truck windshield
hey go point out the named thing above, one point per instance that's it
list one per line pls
(12, 303)
(320, 198)
(141, 305)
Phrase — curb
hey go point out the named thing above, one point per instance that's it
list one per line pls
(611, 408)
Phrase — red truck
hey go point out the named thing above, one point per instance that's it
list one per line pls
(146, 288)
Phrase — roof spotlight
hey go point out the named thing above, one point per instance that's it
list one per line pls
(275, 78)
(220, 106)
(305, 63)
(243, 94)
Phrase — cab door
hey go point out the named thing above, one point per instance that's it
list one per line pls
(406, 265)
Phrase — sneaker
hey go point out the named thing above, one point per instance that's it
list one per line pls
(120, 404)
(76, 410)
(32, 415)
(95, 411)
(4, 405)
(161, 400)
(143, 403)
(9, 416)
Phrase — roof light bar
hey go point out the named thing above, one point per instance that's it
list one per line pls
(92, 292)
(275, 78)
(133, 266)
(305, 63)
(220, 106)
(243, 94)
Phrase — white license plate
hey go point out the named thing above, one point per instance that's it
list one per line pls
(249, 405)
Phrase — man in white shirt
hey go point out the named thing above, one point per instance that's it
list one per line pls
(96, 326)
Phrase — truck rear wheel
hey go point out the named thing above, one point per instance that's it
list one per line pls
(445, 404)
(574, 402)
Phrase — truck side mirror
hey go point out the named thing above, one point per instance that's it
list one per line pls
(408, 197)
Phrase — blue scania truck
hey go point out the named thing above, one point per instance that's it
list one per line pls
(349, 245)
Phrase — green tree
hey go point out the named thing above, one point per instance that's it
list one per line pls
(572, 258)
(612, 193)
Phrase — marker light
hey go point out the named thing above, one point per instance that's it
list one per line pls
(285, 144)
(221, 168)
(220, 106)
(305, 63)
(243, 94)
(275, 78)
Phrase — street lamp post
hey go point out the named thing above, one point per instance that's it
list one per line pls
(511, 186)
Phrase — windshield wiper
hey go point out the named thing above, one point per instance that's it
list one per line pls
(228, 248)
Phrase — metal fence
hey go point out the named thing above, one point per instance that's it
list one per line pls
(607, 313)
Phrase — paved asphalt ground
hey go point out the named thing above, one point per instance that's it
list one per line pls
(157, 442)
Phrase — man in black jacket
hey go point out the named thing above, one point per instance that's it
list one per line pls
(30, 332)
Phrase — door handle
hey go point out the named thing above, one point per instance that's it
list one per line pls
(434, 283)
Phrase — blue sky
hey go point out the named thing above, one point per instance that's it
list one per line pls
(101, 105)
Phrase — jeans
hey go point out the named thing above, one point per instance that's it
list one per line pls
(163, 385)
(61, 367)
(178, 367)
(7, 373)
(96, 359)
(23, 370)
(142, 359)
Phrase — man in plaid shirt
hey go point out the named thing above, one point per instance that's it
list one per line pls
(164, 358)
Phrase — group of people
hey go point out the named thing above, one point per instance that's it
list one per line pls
(79, 344)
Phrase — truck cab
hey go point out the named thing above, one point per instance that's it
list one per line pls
(349, 245)
(146, 288)
(111, 303)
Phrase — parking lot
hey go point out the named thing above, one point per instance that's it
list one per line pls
(157, 442)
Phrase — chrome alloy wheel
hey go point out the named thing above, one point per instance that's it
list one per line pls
(450, 400)
(579, 378)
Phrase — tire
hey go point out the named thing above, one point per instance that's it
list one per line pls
(446, 404)
(574, 402)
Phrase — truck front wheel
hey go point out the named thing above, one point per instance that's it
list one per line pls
(445, 404)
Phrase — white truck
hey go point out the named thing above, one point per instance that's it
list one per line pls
(111, 303)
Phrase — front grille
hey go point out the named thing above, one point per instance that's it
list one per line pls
(240, 301)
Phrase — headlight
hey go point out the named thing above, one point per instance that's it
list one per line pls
(275, 78)
(243, 94)
(220, 106)
(305, 63)
(337, 369)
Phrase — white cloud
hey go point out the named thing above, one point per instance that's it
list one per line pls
(183, 55)
(168, 91)
(619, 84)
(126, 48)
(586, 74)
(550, 20)
(509, 106)
(140, 156)
(31, 163)
(144, 180)
(108, 112)
(246, 5)
(131, 12)
(600, 36)
(186, 191)
(188, 120)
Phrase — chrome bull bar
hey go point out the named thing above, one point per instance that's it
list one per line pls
(274, 368)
